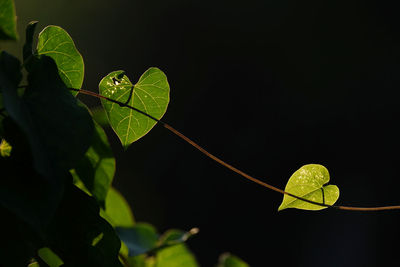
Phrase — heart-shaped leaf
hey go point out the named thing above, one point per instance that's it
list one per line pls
(309, 182)
(56, 43)
(150, 95)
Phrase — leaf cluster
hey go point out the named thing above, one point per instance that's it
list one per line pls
(57, 203)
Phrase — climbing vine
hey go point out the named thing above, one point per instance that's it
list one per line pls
(56, 196)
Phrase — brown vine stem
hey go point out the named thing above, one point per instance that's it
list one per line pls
(230, 167)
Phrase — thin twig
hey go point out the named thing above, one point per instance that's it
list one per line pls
(232, 168)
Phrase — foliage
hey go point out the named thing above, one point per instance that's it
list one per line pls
(309, 182)
(57, 203)
(8, 30)
(150, 94)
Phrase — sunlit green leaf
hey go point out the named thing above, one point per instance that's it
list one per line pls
(5, 148)
(229, 260)
(309, 182)
(49, 257)
(10, 71)
(96, 169)
(8, 25)
(175, 256)
(117, 211)
(150, 95)
(56, 43)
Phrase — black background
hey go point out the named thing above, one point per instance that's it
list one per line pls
(268, 86)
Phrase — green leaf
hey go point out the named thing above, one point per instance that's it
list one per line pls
(18, 242)
(37, 200)
(150, 95)
(59, 130)
(229, 260)
(139, 239)
(309, 182)
(96, 169)
(56, 43)
(174, 236)
(100, 116)
(28, 46)
(10, 73)
(5, 148)
(49, 257)
(8, 19)
(175, 256)
(117, 212)
(143, 238)
(142, 260)
(38, 119)
(79, 236)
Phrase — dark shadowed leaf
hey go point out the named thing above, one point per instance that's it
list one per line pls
(10, 73)
(21, 185)
(17, 170)
(18, 242)
(58, 129)
(56, 43)
(8, 25)
(28, 46)
(79, 236)
(139, 239)
(150, 95)
(96, 169)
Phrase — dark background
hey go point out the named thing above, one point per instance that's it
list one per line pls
(268, 86)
